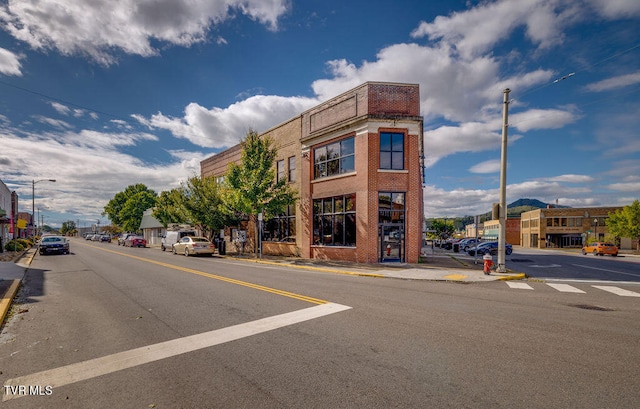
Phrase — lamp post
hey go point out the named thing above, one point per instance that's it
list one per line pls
(595, 229)
(33, 199)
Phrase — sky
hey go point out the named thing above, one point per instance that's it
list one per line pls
(102, 94)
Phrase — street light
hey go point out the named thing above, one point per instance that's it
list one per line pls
(595, 229)
(33, 198)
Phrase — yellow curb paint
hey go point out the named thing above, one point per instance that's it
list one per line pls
(521, 276)
(5, 303)
(456, 277)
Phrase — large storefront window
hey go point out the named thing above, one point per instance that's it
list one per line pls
(334, 221)
(281, 228)
(334, 158)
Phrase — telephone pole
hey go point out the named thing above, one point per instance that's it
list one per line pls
(502, 240)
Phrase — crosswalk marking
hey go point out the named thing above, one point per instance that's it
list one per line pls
(565, 288)
(519, 286)
(617, 290)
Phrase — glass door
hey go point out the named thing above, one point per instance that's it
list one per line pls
(391, 242)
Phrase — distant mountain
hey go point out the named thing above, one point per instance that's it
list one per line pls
(535, 203)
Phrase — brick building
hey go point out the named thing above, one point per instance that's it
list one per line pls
(512, 230)
(356, 161)
(566, 227)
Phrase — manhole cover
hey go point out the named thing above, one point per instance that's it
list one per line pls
(521, 260)
(591, 307)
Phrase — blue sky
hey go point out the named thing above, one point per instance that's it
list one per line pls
(103, 94)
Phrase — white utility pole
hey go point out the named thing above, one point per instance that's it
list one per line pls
(502, 240)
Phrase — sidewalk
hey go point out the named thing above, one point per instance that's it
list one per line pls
(436, 267)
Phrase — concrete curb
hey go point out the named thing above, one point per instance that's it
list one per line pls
(7, 298)
(321, 269)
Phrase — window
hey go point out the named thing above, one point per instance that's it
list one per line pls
(280, 169)
(391, 150)
(282, 227)
(292, 169)
(334, 221)
(334, 158)
(391, 207)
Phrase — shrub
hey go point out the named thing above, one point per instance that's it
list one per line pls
(14, 245)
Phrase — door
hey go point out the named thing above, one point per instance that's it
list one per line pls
(391, 239)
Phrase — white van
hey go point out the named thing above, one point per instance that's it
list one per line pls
(173, 236)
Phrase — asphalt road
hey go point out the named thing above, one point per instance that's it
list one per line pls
(570, 264)
(109, 327)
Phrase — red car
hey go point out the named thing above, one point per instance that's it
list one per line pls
(135, 241)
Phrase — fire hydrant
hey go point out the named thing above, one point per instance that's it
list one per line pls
(488, 263)
(388, 250)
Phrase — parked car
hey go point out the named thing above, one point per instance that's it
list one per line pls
(123, 237)
(466, 244)
(190, 245)
(135, 241)
(173, 236)
(600, 249)
(105, 237)
(54, 244)
(490, 247)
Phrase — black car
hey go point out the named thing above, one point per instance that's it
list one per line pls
(490, 247)
(54, 244)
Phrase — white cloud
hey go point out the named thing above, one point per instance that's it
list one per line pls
(625, 187)
(88, 167)
(218, 128)
(542, 119)
(10, 63)
(489, 166)
(615, 82)
(99, 27)
(572, 179)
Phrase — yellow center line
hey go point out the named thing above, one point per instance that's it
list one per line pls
(218, 277)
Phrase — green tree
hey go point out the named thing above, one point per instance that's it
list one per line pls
(203, 204)
(443, 228)
(626, 222)
(126, 207)
(68, 227)
(169, 208)
(251, 186)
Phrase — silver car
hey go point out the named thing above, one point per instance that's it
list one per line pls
(190, 245)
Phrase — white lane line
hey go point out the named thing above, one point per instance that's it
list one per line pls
(565, 288)
(607, 270)
(80, 371)
(519, 286)
(617, 291)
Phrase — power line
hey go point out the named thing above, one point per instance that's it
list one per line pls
(62, 101)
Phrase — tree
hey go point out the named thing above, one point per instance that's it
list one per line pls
(626, 222)
(68, 227)
(203, 204)
(169, 207)
(443, 228)
(127, 207)
(251, 186)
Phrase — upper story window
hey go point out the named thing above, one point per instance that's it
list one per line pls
(391, 150)
(280, 169)
(334, 158)
(292, 169)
